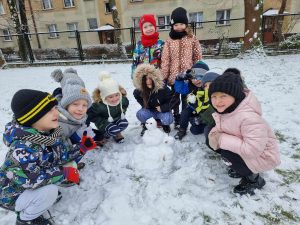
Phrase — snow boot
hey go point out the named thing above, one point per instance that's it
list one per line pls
(144, 128)
(119, 138)
(37, 221)
(80, 165)
(233, 174)
(177, 121)
(248, 184)
(180, 134)
(166, 128)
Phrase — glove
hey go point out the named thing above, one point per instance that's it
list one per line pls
(87, 143)
(191, 98)
(71, 174)
(213, 138)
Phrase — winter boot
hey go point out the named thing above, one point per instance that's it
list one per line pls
(80, 165)
(119, 138)
(180, 134)
(176, 121)
(37, 221)
(144, 128)
(248, 184)
(233, 174)
(166, 128)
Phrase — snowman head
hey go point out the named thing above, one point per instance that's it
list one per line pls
(151, 124)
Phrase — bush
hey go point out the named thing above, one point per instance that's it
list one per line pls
(292, 42)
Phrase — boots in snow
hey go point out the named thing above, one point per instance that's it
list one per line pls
(37, 221)
(180, 134)
(166, 128)
(119, 138)
(248, 184)
(177, 121)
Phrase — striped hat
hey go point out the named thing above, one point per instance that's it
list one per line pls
(29, 105)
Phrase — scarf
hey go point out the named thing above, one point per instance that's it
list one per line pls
(177, 35)
(149, 40)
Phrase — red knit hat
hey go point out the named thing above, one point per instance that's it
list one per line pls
(147, 18)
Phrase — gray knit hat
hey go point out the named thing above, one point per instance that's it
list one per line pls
(209, 77)
(62, 77)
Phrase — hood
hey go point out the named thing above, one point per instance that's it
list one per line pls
(14, 131)
(150, 71)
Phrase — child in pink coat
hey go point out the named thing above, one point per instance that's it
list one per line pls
(244, 139)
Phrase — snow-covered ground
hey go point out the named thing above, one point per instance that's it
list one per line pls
(119, 187)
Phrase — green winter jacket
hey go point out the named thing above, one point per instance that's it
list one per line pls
(206, 116)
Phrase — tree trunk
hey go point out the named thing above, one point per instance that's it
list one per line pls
(18, 29)
(2, 60)
(280, 19)
(253, 15)
(117, 25)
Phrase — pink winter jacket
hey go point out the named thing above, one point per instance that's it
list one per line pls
(179, 56)
(247, 134)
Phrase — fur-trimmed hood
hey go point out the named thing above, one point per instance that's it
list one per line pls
(97, 97)
(150, 71)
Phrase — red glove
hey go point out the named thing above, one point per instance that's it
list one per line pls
(71, 174)
(87, 143)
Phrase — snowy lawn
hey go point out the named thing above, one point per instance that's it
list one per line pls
(120, 187)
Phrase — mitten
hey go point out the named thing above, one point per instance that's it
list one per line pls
(191, 98)
(213, 138)
(71, 174)
(87, 143)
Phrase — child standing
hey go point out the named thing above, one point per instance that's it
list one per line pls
(181, 51)
(153, 96)
(243, 138)
(148, 49)
(35, 157)
(109, 107)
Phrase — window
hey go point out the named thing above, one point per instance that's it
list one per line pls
(135, 22)
(53, 28)
(7, 35)
(69, 3)
(47, 4)
(1, 8)
(72, 26)
(92, 23)
(107, 7)
(223, 15)
(163, 22)
(197, 17)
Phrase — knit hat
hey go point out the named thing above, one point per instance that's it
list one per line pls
(73, 87)
(147, 18)
(179, 15)
(230, 84)
(209, 77)
(108, 86)
(199, 69)
(29, 105)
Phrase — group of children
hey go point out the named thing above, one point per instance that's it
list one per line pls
(50, 134)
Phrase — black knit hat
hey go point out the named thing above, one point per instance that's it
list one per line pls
(229, 83)
(179, 15)
(29, 105)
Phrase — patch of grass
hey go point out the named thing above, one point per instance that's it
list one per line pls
(289, 176)
(281, 138)
(206, 219)
(295, 156)
(268, 217)
(214, 157)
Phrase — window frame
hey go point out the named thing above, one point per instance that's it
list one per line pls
(53, 35)
(199, 19)
(89, 24)
(106, 3)
(166, 25)
(72, 5)
(49, 3)
(8, 35)
(225, 17)
(72, 33)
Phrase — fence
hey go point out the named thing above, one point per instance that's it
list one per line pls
(216, 37)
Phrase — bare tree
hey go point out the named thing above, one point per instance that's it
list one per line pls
(279, 21)
(253, 20)
(117, 26)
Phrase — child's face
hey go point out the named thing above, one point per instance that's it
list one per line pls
(221, 101)
(179, 27)
(196, 82)
(149, 83)
(78, 108)
(48, 122)
(148, 28)
(113, 99)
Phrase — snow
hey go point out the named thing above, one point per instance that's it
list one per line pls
(272, 12)
(176, 182)
(105, 27)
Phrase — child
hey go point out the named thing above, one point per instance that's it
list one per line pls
(148, 49)
(109, 107)
(153, 96)
(190, 113)
(181, 51)
(35, 157)
(243, 138)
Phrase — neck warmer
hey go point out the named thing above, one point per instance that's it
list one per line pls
(149, 40)
(177, 35)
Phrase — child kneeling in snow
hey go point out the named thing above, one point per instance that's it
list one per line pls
(245, 141)
(37, 153)
(109, 107)
(153, 96)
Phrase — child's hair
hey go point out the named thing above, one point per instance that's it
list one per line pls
(146, 90)
(29, 105)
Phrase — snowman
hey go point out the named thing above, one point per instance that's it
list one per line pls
(154, 156)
